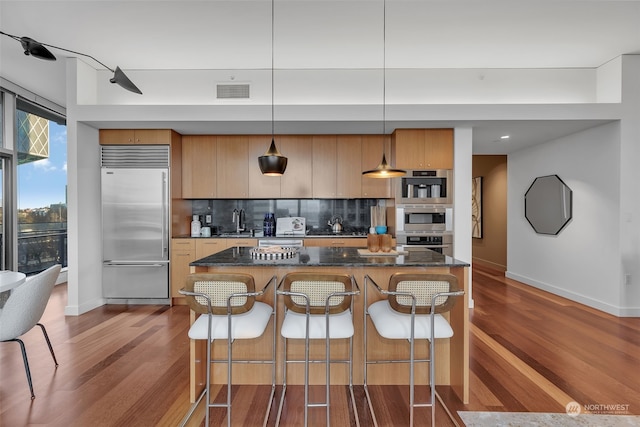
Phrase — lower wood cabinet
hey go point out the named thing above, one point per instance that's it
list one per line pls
(183, 252)
(351, 242)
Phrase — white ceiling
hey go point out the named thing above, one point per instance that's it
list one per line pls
(321, 34)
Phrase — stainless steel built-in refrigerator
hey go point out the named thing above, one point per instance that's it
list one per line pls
(135, 222)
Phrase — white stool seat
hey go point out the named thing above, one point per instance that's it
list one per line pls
(251, 324)
(391, 324)
(340, 325)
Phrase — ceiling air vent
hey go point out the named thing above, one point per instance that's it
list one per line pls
(232, 91)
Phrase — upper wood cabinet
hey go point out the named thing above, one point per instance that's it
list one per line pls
(260, 186)
(336, 166)
(199, 153)
(137, 136)
(372, 148)
(349, 166)
(296, 183)
(324, 166)
(232, 161)
(423, 148)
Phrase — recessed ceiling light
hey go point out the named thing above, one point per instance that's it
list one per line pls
(504, 137)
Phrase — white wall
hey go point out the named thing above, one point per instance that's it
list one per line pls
(582, 262)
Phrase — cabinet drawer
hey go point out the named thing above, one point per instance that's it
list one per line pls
(183, 245)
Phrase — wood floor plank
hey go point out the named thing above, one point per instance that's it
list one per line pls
(129, 365)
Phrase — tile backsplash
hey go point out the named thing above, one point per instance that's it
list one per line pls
(356, 213)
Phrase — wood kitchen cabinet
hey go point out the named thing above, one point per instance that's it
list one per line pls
(423, 148)
(372, 148)
(183, 252)
(242, 242)
(336, 166)
(324, 165)
(349, 242)
(137, 136)
(232, 164)
(199, 177)
(349, 166)
(206, 246)
(296, 183)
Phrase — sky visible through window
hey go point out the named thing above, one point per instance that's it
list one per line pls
(43, 183)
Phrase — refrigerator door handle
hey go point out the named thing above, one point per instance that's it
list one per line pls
(165, 242)
(135, 264)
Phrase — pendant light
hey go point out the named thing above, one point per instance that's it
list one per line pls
(272, 163)
(38, 50)
(384, 170)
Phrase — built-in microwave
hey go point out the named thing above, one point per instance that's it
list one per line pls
(425, 186)
(424, 218)
(441, 243)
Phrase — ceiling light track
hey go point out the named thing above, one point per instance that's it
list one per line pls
(39, 50)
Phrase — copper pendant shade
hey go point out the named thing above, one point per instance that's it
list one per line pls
(383, 170)
(38, 50)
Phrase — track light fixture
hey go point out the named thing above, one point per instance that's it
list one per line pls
(384, 170)
(39, 50)
(272, 163)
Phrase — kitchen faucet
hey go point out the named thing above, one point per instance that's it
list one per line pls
(238, 220)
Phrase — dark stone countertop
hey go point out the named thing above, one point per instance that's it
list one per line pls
(328, 257)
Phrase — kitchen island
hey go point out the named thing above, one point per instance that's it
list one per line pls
(452, 366)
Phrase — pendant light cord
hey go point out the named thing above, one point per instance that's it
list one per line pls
(272, 79)
(384, 67)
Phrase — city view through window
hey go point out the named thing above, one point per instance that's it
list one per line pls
(41, 184)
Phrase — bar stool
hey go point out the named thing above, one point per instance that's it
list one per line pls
(411, 311)
(317, 306)
(228, 311)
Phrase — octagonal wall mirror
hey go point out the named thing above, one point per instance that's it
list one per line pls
(548, 204)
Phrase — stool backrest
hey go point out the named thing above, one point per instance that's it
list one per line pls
(219, 287)
(317, 287)
(423, 287)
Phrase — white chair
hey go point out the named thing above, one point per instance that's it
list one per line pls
(411, 312)
(23, 310)
(317, 306)
(228, 311)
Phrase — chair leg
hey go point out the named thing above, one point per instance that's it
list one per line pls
(26, 365)
(432, 380)
(46, 337)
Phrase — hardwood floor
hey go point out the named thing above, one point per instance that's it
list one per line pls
(128, 365)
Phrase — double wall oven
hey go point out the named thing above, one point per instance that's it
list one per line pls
(424, 211)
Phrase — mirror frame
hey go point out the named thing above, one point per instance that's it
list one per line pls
(548, 204)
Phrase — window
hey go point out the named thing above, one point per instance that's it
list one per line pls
(41, 147)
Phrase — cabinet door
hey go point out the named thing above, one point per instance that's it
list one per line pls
(242, 242)
(199, 166)
(336, 243)
(116, 136)
(135, 136)
(296, 181)
(409, 148)
(438, 148)
(324, 166)
(349, 170)
(372, 148)
(206, 247)
(232, 175)
(261, 186)
(182, 253)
